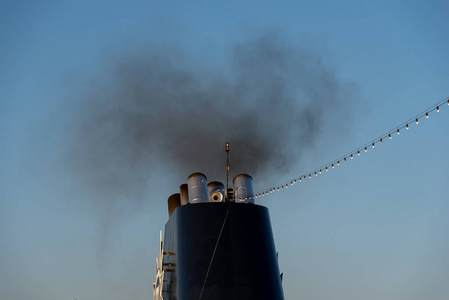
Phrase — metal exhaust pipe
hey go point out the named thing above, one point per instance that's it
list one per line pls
(184, 194)
(197, 188)
(216, 191)
(173, 202)
(243, 189)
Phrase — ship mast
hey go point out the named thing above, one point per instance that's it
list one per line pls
(227, 169)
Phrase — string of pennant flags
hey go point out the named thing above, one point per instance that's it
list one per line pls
(356, 152)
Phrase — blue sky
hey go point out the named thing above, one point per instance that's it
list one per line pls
(376, 228)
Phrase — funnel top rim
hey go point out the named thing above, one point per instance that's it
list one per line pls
(196, 174)
(242, 175)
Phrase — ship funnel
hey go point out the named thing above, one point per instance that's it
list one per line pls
(184, 194)
(243, 189)
(173, 202)
(216, 191)
(197, 188)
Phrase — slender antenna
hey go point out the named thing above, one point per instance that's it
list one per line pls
(227, 169)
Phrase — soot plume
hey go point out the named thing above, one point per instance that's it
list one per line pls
(270, 102)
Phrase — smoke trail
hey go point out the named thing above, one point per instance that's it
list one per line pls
(164, 108)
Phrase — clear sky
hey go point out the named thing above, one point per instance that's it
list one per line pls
(375, 228)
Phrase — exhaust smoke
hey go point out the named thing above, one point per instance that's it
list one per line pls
(162, 108)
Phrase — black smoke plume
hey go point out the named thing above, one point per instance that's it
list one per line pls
(270, 101)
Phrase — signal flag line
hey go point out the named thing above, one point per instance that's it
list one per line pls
(356, 152)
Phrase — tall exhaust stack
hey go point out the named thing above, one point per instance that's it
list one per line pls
(197, 188)
(243, 189)
(184, 191)
(173, 202)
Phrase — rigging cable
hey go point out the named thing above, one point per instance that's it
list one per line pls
(213, 254)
